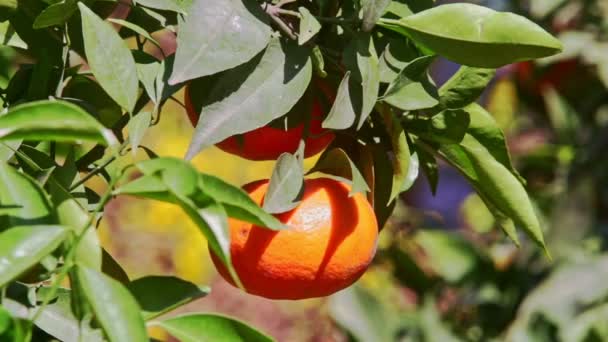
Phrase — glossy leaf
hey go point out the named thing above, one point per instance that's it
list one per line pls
(485, 129)
(366, 73)
(73, 216)
(22, 199)
(465, 86)
(412, 88)
(286, 184)
(309, 26)
(175, 292)
(115, 309)
(109, 58)
(53, 120)
(495, 183)
(137, 129)
(208, 327)
(22, 247)
(477, 36)
(212, 220)
(56, 14)
(342, 115)
(252, 95)
(237, 203)
(235, 31)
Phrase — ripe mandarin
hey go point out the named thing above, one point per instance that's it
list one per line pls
(329, 244)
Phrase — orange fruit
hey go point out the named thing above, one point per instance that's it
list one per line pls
(329, 244)
(268, 143)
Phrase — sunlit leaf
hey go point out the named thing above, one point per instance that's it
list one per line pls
(252, 95)
(208, 327)
(477, 36)
(22, 247)
(109, 58)
(115, 308)
(235, 31)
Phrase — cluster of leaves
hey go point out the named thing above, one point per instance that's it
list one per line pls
(469, 285)
(64, 123)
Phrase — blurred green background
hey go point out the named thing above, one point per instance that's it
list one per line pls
(443, 271)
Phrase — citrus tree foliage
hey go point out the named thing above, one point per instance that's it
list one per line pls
(86, 90)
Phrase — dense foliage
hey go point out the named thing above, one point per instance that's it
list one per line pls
(83, 81)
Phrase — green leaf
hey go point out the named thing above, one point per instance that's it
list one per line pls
(465, 87)
(309, 26)
(398, 9)
(399, 154)
(286, 184)
(208, 327)
(110, 59)
(412, 89)
(181, 6)
(358, 91)
(366, 73)
(22, 199)
(236, 30)
(396, 56)
(22, 247)
(72, 215)
(446, 127)
(9, 37)
(477, 36)
(53, 120)
(485, 129)
(372, 11)
(252, 95)
(115, 309)
(137, 127)
(56, 14)
(336, 162)
(237, 203)
(57, 320)
(148, 71)
(495, 183)
(137, 29)
(175, 292)
(342, 114)
(412, 172)
(212, 220)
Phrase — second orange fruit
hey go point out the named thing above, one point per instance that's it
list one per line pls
(330, 242)
(267, 142)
